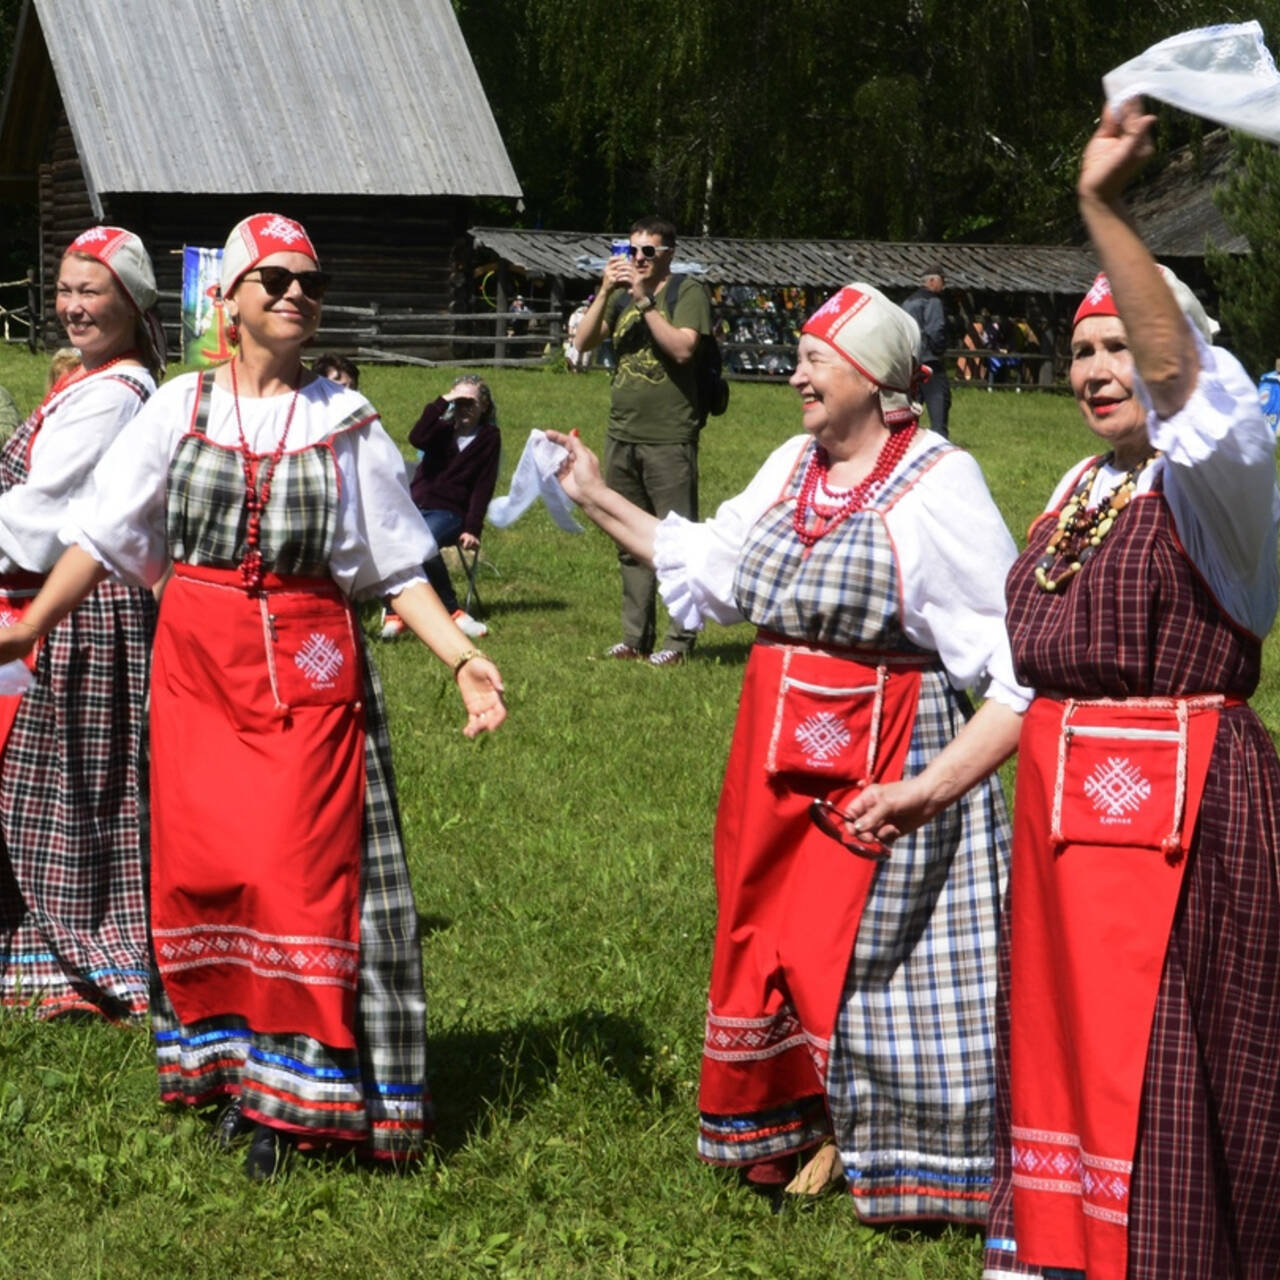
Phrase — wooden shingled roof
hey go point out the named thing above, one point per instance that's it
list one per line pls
(306, 97)
(819, 264)
(1175, 211)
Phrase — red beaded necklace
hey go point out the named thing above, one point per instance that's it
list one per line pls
(80, 373)
(824, 519)
(256, 497)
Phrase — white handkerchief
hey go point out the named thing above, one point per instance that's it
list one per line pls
(1223, 73)
(534, 478)
(15, 677)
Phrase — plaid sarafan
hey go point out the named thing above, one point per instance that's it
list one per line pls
(375, 1095)
(1138, 620)
(73, 920)
(907, 1079)
(204, 528)
(783, 587)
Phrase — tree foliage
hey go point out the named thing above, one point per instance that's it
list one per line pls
(915, 119)
(1249, 286)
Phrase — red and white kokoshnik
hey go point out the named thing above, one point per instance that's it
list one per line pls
(257, 237)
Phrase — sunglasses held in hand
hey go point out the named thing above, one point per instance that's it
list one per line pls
(276, 281)
(834, 822)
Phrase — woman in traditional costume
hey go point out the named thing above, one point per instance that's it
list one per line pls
(284, 930)
(73, 925)
(1140, 1107)
(851, 996)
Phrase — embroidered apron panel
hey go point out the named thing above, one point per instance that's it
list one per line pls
(1090, 924)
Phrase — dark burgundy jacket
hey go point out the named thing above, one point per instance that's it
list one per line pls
(453, 479)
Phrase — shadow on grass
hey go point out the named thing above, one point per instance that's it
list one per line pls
(498, 607)
(429, 925)
(477, 1073)
(731, 653)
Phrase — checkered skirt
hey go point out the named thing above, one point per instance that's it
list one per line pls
(909, 1087)
(1205, 1198)
(73, 922)
(375, 1095)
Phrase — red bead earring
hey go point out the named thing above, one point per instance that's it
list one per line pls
(233, 334)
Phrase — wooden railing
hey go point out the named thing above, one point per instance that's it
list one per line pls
(17, 322)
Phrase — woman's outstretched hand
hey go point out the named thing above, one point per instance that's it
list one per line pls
(1120, 146)
(579, 474)
(480, 684)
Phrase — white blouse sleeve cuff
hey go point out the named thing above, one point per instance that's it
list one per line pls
(695, 573)
(397, 583)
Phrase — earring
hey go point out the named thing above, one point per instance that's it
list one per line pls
(233, 334)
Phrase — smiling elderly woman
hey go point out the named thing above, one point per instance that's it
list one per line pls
(852, 991)
(285, 936)
(1140, 1102)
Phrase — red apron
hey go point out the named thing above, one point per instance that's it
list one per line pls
(17, 590)
(1107, 798)
(257, 786)
(811, 723)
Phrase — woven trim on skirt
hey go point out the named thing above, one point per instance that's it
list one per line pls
(375, 1095)
(1206, 1182)
(910, 1087)
(73, 918)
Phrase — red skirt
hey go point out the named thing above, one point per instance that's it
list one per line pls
(17, 590)
(1107, 799)
(257, 790)
(811, 724)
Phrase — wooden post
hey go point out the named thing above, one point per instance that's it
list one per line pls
(500, 315)
(33, 316)
(557, 313)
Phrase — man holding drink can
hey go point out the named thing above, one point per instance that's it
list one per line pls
(651, 447)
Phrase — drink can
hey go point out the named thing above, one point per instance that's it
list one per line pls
(619, 248)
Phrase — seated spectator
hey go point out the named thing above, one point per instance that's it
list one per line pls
(337, 369)
(460, 442)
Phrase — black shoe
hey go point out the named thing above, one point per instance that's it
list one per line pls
(267, 1154)
(230, 1125)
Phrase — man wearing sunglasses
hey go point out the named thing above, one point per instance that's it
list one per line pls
(651, 447)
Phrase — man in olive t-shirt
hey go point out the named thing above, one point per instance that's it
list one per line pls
(651, 448)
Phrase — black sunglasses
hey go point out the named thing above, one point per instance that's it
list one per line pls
(646, 250)
(834, 822)
(276, 281)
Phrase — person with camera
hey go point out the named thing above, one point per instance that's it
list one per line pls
(453, 485)
(651, 447)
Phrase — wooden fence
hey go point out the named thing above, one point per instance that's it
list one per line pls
(535, 337)
(16, 318)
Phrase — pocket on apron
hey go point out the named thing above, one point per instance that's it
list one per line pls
(1120, 783)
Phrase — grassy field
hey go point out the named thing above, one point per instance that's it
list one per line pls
(563, 876)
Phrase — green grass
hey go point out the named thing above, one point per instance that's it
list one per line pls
(562, 871)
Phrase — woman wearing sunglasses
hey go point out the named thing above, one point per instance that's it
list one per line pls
(852, 992)
(73, 927)
(283, 923)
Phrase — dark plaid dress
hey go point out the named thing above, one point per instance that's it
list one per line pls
(909, 1089)
(73, 921)
(1138, 621)
(379, 1089)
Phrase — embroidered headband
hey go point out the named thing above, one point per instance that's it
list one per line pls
(259, 236)
(1099, 301)
(126, 257)
(880, 340)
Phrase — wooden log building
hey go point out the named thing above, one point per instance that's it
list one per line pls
(176, 118)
